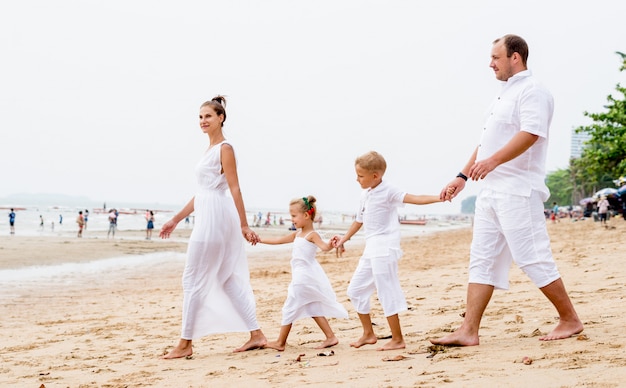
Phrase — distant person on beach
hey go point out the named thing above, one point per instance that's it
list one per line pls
(86, 218)
(555, 213)
(112, 223)
(80, 220)
(217, 294)
(509, 223)
(12, 221)
(60, 219)
(603, 210)
(378, 267)
(150, 225)
(310, 294)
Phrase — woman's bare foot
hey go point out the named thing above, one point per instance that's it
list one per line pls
(329, 342)
(457, 338)
(257, 341)
(393, 344)
(183, 349)
(364, 340)
(275, 345)
(563, 330)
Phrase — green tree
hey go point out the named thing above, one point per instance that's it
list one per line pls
(561, 187)
(604, 156)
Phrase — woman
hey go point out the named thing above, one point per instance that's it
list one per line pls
(217, 295)
(150, 224)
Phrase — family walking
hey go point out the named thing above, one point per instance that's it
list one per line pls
(509, 226)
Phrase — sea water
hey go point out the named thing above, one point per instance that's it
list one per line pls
(28, 224)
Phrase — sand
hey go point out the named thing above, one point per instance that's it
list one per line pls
(109, 328)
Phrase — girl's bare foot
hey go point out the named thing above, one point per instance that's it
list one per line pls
(364, 340)
(393, 344)
(275, 345)
(329, 342)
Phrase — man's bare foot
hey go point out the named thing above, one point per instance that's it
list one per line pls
(329, 342)
(563, 330)
(256, 341)
(275, 345)
(457, 338)
(364, 340)
(393, 344)
(179, 352)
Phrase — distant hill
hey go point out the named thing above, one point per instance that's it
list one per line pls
(29, 200)
(44, 199)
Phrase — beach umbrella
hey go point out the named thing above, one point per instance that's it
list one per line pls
(620, 181)
(607, 192)
(585, 201)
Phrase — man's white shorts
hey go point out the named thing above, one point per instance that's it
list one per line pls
(510, 228)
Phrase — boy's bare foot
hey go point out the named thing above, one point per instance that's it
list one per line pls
(563, 330)
(393, 344)
(275, 345)
(179, 352)
(457, 338)
(255, 342)
(332, 341)
(364, 340)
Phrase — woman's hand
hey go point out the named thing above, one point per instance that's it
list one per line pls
(167, 229)
(250, 235)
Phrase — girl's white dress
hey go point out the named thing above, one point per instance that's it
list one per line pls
(310, 293)
(217, 295)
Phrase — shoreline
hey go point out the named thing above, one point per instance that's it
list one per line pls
(109, 327)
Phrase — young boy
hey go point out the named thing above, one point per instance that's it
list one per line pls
(378, 266)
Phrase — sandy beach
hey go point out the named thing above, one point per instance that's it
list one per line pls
(108, 328)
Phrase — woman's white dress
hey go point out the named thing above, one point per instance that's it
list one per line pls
(310, 293)
(217, 295)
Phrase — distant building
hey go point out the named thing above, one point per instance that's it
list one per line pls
(578, 143)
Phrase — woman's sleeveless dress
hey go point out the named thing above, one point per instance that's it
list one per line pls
(310, 293)
(217, 295)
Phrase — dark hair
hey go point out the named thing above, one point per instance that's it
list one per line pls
(218, 103)
(515, 44)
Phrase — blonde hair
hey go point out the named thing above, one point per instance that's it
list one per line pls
(305, 205)
(372, 161)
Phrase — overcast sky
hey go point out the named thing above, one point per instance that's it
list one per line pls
(101, 98)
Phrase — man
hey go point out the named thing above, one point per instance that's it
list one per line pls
(509, 222)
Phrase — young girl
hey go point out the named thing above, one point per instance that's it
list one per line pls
(310, 293)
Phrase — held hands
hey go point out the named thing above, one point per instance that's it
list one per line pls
(336, 241)
(479, 170)
(452, 189)
(250, 235)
